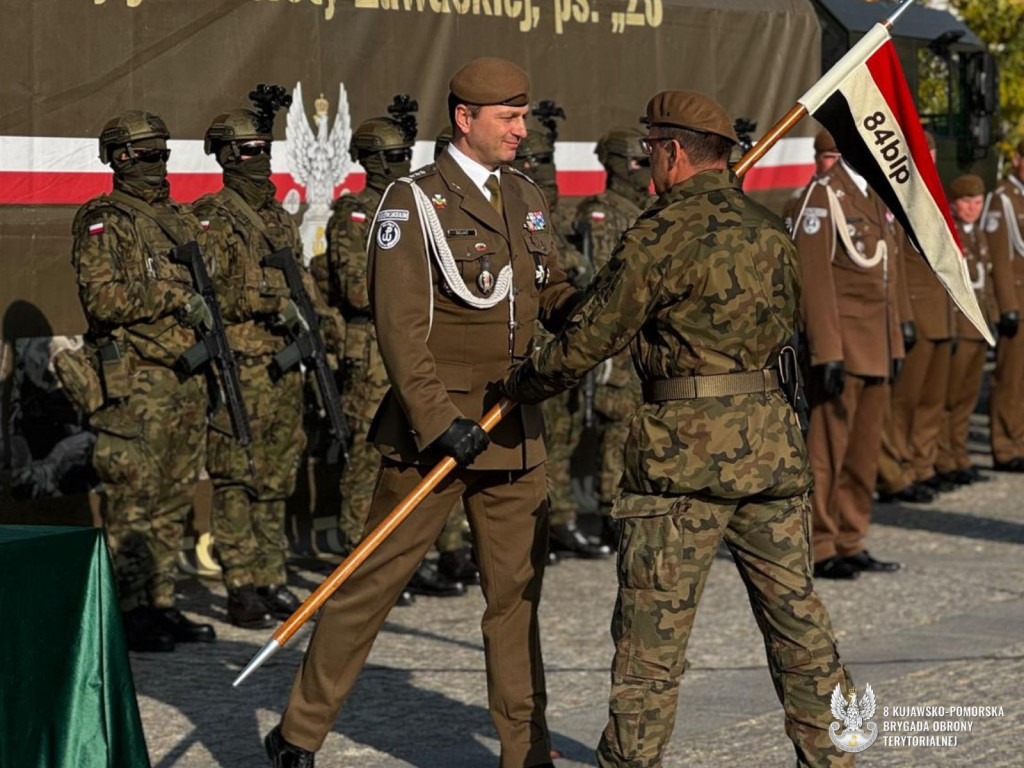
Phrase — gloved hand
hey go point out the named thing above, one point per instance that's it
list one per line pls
(1008, 324)
(291, 318)
(909, 331)
(196, 314)
(464, 440)
(832, 376)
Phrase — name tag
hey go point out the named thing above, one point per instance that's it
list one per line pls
(460, 233)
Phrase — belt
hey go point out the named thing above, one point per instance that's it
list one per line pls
(691, 387)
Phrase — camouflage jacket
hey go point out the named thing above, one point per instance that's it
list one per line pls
(346, 252)
(130, 290)
(605, 217)
(706, 282)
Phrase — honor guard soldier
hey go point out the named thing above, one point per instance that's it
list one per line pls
(705, 288)
(383, 147)
(967, 368)
(600, 222)
(462, 263)
(1003, 223)
(245, 224)
(826, 154)
(142, 313)
(847, 242)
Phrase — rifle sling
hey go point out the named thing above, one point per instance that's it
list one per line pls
(251, 216)
(167, 222)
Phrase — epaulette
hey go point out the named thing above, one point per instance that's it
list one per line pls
(516, 172)
(419, 173)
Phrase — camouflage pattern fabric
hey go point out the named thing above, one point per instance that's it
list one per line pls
(151, 430)
(249, 506)
(665, 553)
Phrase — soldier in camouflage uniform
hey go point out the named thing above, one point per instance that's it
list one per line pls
(600, 222)
(706, 287)
(245, 223)
(141, 309)
(563, 415)
(383, 146)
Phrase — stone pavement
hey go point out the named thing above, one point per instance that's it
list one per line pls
(947, 631)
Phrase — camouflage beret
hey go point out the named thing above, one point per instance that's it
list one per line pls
(824, 142)
(968, 185)
(488, 80)
(691, 110)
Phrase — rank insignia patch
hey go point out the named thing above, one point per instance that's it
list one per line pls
(535, 221)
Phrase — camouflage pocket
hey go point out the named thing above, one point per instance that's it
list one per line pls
(77, 374)
(118, 419)
(654, 626)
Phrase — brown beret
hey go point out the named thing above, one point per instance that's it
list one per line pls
(966, 186)
(691, 110)
(487, 80)
(824, 142)
(930, 139)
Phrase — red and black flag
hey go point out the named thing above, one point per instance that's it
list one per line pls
(865, 103)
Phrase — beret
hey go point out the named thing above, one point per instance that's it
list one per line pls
(824, 142)
(966, 186)
(488, 80)
(691, 110)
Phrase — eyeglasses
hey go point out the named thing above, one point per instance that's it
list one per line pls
(647, 144)
(151, 154)
(255, 149)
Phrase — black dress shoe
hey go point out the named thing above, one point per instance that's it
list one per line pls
(568, 541)
(1016, 464)
(280, 601)
(915, 493)
(863, 561)
(938, 484)
(405, 599)
(247, 610)
(185, 630)
(459, 565)
(428, 581)
(611, 530)
(834, 568)
(144, 632)
(285, 755)
(957, 477)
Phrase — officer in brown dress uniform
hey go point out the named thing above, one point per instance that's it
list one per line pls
(847, 243)
(450, 320)
(826, 154)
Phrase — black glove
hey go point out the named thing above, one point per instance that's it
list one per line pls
(895, 369)
(1008, 323)
(464, 440)
(832, 378)
(909, 334)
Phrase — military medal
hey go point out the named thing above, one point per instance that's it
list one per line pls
(540, 275)
(535, 222)
(485, 280)
(438, 201)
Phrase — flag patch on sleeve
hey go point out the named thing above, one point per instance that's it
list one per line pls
(357, 216)
(597, 215)
(95, 229)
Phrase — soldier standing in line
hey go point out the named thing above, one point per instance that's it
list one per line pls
(383, 147)
(245, 223)
(141, 310)
(600, 222)
(1003, 222)
(453, 307)
(967, 368)
(826, 154)
(847, 244)
(706, 287)
(563, 415)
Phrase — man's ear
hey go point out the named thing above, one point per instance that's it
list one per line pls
(462, 117)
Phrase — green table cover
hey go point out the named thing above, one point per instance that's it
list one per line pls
(66, 693)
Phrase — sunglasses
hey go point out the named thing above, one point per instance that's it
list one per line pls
(254, 150)
(398, 155)
(151, 155)
(647, 144)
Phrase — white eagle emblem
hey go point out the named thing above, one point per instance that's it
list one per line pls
(857, 733)
(319, 162)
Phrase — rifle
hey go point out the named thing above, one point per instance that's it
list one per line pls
(213, 345)
(308, 347)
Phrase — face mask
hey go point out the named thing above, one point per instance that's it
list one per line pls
(380, 173)
(254, 169)
(151, 173)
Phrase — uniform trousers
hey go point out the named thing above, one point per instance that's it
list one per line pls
(663, 561)
(843, 442)
(1006, 401)
(509, 522)
(914, 425)
(965, 377)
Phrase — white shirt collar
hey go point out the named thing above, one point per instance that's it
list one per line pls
(476, 172)
(860, 181)
(968, 228)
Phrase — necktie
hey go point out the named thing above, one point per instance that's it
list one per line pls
(492, 186)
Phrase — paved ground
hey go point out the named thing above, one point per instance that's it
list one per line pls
(946, 631)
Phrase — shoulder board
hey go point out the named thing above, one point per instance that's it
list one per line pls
(517, 172)
(419, 173)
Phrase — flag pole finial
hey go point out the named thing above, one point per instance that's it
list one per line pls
(889, 22)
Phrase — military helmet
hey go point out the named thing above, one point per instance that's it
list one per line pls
(378, 134)
(624, 142)
(128, 127)
(535, 144)
(236, 125)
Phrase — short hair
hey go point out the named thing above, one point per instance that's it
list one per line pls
(453, 102)
(703, 149)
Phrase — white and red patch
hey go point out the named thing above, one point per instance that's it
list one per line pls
(97, 229)
(597, 215)
(205, 223)
(357, 216)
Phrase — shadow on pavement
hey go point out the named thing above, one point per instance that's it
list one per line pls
(929, 518)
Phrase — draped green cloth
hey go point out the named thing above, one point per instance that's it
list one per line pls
(66, 694)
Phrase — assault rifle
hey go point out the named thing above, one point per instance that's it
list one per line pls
(308, 347)
(213, 345)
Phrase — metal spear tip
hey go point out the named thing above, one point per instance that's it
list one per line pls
(898, 12)
(256, 662)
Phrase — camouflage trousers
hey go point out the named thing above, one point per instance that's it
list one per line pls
(249, 506)
(665, 552)
(563, 423)
(150, 449)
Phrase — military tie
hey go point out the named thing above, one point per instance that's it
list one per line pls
(492, 186)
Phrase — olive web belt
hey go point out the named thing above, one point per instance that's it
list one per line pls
(723, 385)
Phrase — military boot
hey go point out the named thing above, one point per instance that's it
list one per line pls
(568, 541)
(285, 755)
(247, 610)
(459, 565)
(184, 630)
(428, 581)
(280, 601)
(144, 632)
